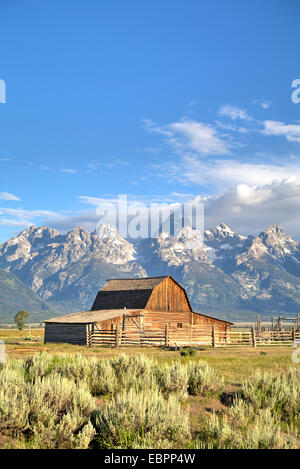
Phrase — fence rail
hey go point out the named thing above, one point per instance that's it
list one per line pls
(192, 335)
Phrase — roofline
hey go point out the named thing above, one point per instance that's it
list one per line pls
(137, 278)
(212, 317)
(48, 321)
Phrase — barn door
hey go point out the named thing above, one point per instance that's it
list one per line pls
(132, 321)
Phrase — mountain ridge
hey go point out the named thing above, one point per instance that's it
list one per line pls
(225, 273)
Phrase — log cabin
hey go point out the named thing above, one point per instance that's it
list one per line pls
(132, 304)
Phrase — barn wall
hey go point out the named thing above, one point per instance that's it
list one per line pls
(130, 325)
(199, 319)
(168, 296)
(106, 325)
(157, 320)
(68, 333)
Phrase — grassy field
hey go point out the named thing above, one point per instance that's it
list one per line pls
(234, 363)
(234, 397)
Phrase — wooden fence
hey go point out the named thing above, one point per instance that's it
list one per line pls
(118, 338)
(192, 335)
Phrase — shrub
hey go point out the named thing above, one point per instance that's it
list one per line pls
(173, 379)
(141, 420)
(187, 351)
(280, 394)
(202, 379)
(244, 429)
(47, 411)
(102, 378)
(14, 406)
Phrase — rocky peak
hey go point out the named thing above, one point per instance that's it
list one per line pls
(108, 231)
(114, 248)
(277, 242)
(220, 232)
(274, 234)
(20, 248)
(192, 238)
(78, 235)
(181, 249)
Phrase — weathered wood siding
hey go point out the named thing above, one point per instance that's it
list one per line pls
(157, 320)
(68, 333)
(168, 296)
(130, 324)
(198, 319)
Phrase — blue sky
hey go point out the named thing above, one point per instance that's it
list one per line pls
(161, 100)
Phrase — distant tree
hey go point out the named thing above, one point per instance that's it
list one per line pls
(20, 318)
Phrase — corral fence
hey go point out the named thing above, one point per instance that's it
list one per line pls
(192, 335)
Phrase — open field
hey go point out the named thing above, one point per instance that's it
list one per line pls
(235, 363)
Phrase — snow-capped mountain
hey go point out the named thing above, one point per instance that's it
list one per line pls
(224, 272)
(68, 267)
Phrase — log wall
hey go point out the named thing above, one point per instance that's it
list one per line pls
(198, 319)
(157, 320)
(68, 333)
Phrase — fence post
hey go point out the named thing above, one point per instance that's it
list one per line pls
(213, 336)
(226, 334)
(118, 336)
(167, 335)
(88, 335)
(253, 337)
(293, 334)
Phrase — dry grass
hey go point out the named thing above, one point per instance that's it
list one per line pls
(235, 364)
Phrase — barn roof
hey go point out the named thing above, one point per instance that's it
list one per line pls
(127, 293)
(213, 317)
(87, 317)
(132, 283)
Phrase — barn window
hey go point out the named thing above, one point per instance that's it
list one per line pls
(179, 324)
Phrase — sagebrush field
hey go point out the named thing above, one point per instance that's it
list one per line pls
(63, 396)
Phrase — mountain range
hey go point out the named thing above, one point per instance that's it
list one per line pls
(225, 273)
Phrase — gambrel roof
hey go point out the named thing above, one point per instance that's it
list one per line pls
(131, 293)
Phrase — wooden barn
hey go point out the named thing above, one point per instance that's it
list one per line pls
(134, 306)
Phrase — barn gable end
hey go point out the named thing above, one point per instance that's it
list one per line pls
(168, 295)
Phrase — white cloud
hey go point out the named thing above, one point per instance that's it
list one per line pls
(199, 137)
(246, 208)
(290, 131)
(151, 127)
(250, 209)
(8, 196)
(266, 104)
(223, 174)
(22, 217)
(68, 170)
(234, 113)
(189, 135)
